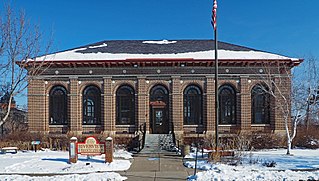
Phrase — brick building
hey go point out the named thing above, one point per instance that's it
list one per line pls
(114, 87)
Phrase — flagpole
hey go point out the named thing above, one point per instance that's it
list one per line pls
(216, 78)
(216, 93)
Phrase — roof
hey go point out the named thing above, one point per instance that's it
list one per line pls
(121, 50)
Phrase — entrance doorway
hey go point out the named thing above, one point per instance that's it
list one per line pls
(159, 119)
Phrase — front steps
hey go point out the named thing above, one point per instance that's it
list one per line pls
(158, 143)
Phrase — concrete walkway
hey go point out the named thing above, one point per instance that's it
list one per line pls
(157, 167)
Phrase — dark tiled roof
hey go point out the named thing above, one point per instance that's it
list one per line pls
(138, 47)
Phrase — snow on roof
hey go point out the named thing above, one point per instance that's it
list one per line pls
(160, 42)
(182, 49)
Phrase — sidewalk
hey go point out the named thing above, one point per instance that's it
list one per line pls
(157, 167)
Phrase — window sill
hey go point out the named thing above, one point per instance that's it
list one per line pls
(125, 126)
(57, 126)
(193, 126)
(91, 126)
(260, 125)
(227, 125)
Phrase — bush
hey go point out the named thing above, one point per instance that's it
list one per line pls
(307, 138)
(267, 141)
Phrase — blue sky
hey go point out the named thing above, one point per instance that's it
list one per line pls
(287, 27)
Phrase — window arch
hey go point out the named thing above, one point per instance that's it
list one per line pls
(260, 105)
(125, 105)
(91, 105)
(58, 106)
(227, 105)
(159, 93)
(193, 105)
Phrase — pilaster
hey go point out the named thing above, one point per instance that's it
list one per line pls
(74, 107)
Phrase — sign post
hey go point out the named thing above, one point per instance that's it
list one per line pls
(35, 145)
(108, 150)
(73, 156)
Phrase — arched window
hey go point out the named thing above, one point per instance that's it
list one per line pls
(260, 105)
(193, 105)
(125, 105)
(91, 105)
(227, 105)
(58, 106)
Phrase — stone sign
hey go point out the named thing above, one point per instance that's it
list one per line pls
(90, 147)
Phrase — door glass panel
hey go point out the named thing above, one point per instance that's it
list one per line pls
(159, 117)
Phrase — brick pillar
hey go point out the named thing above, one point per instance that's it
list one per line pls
(142, 103)
(74, 107)
(37, 107)
(210, 102)
(73, 155)
(108, 150)
(109, 123)
(244, 105)
(177, 106)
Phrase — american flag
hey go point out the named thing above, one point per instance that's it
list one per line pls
(214, 14)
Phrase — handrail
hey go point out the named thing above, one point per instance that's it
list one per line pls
(141, 141)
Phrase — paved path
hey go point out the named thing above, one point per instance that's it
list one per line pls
(157, 167)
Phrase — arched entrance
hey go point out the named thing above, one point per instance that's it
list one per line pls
(159, 110)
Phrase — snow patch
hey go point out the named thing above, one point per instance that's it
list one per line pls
(74, 55)
(161, 42)
(98, 46)
(56, 162)
(303, 159)
(108, 176)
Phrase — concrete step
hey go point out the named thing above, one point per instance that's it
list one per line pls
(158, 143)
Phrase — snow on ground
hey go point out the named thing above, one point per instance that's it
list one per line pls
(107, 176)
(253, 167)
(56, 163)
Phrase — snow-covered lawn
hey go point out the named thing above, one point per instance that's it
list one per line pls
(253, 167)
(56, 163)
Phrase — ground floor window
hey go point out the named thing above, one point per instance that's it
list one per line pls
(260, 105)
(125, 105)
(193, 105)
(58, 106)
(91, 105)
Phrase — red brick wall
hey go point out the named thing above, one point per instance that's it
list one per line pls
(38, 103)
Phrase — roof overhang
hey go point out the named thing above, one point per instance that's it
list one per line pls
(146, 62)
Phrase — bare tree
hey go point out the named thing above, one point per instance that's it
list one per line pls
(19, 41)
(287, 96)
(311, 82)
